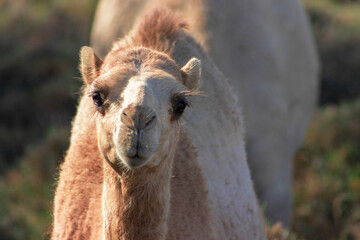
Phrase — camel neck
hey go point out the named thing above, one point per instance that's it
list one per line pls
(136, 204)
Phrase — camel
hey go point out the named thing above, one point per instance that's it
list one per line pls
(266, 50)
(157, 148)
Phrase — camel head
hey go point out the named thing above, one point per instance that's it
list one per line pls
(138, 96)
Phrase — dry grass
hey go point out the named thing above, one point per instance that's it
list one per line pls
(278, 232)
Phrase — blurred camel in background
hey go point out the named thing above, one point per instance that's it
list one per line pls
(266, 50)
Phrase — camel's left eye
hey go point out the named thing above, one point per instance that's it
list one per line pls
(179, 108)
(179, 103)
(98, 101)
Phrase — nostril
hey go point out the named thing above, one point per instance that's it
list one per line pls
(126, 119)
(151, 120)
(136, 116)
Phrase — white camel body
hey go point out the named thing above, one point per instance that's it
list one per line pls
(218, 139)
(266, 50)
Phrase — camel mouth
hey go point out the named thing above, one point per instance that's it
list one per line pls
(135, 154)
(135, 161)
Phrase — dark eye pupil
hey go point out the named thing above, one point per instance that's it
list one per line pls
(180, 107)
(97, 99)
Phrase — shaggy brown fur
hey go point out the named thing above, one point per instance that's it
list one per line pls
(98, 200)
(130, 10)
(158, 31)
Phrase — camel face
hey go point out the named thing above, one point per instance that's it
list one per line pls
(139, 96)
(146, 115)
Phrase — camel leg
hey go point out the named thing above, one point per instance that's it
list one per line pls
(272, 180)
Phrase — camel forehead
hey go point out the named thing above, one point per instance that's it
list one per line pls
(141, 58)
(151, 88)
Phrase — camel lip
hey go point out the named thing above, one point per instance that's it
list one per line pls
(135, 162)
(131, 160)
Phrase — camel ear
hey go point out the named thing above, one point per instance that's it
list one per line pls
(191, 73)
(89, 64)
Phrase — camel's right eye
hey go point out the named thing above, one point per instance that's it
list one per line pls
(98, 101)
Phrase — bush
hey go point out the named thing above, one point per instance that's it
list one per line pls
(40, 41)
(327, 176)
(336, 26)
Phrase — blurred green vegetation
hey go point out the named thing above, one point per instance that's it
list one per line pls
(327, 176)
(336, 26)
(327, 167)
(40, 41)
